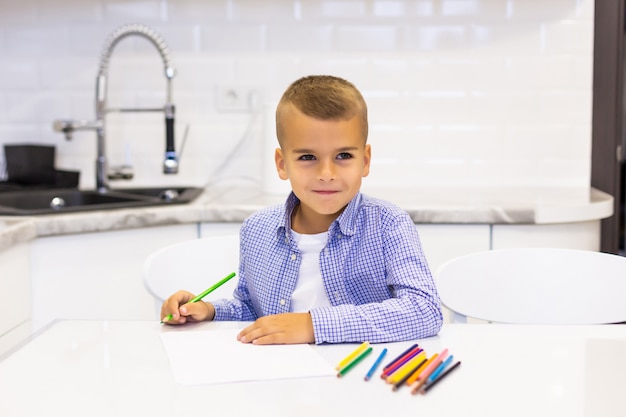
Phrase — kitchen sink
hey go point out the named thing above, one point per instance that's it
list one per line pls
(53, 201)
(169, 194)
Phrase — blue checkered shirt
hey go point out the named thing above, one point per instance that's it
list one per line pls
(373, 267)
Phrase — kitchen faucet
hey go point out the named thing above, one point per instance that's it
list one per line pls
(170, 164)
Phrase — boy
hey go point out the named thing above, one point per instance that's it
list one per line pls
(331, 265)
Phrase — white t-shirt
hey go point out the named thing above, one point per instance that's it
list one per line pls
(309, 292)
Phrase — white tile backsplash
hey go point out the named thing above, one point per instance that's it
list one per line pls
(329, 9)
(19, 74)
(69, 11)
(389, 9)
(366, 38)
(123, 11)
(309, 37)
(460, 92)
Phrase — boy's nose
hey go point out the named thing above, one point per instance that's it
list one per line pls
(326, 171)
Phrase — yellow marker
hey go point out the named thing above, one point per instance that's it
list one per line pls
(417, 373)
(406, 368)
(352, 364)
(353, 355)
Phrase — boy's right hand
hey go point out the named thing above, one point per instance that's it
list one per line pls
(183, 311)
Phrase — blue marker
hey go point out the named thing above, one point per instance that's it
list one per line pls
(440, 369)
(376, 363)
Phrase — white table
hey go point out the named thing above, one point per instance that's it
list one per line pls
(119, 368)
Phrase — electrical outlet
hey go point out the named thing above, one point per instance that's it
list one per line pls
(232, 98)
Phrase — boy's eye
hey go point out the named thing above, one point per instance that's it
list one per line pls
(306, 157)
(344, 155)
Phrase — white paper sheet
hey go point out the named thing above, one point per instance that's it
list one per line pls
(216, 356)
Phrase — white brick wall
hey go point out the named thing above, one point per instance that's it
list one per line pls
(475, 92)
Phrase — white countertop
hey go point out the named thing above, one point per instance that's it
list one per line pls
(120, 368)
(235, 202)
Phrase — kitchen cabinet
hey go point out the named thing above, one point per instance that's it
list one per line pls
(97, 275)
(442, 242)
(220, 228)
(576, 235)
(15, 298)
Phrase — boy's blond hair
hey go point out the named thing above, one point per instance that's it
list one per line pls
(324, 97)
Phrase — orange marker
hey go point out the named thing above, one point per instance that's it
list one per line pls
(423, 377)
(417, 373)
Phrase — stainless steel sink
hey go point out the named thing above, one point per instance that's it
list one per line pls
(33, 202)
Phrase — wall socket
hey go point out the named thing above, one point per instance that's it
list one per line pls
(231, 98)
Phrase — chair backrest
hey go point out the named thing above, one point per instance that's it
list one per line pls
(535, 286)
(194, 266)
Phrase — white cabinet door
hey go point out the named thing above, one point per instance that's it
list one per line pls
(581, 235)
(97, 275)
(217, 229)
(15, 299)
(442, 242)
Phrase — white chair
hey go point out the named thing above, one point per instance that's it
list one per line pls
(194, 266)
(535, 286)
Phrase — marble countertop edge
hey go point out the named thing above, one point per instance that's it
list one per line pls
(234, 204)
(16, 231)
(600, 206)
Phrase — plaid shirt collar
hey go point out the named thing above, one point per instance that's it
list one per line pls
(345, 223)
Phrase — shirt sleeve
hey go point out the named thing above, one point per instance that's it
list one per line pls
(412, 312)
(240, 307)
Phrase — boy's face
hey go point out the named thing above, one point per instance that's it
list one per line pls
(324, 160)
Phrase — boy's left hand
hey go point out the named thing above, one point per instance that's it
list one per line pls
(285, 328)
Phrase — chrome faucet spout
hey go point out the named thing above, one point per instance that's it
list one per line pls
(110, 43)
(67, 127)
(170, 164)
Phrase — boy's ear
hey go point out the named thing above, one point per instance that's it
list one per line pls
(280, 164)
(367, 157)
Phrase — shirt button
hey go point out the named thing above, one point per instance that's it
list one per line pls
(338, 235)
(293, 256)
(282, 302)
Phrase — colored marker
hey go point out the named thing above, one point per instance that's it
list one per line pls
(416, 368)
(352, 355)
(418, 373)
(407, 368)
(443, 365)
(442, 376)
(204, 293)
(400, 356)
(398, 364)
(375, 365)
(354, 362)
(421, 380)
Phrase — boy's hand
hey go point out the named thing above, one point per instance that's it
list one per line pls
(182, 311)
(285, 328)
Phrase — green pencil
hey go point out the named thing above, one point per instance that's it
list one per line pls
(354, 362)
(204, 293)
